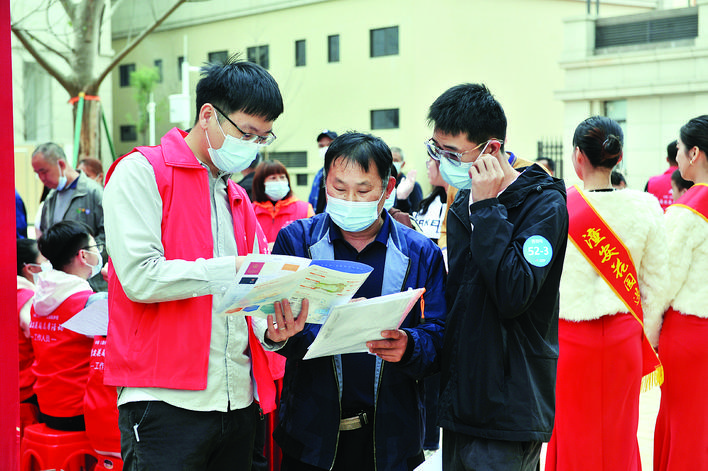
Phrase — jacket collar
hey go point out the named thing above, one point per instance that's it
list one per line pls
(176, 152)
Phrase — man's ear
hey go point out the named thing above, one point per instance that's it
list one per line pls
(391, 186)
(205, 113)
(493, 147)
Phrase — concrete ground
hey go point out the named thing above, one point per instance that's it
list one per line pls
(648, 409)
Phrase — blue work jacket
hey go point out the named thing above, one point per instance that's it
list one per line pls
(310, 410)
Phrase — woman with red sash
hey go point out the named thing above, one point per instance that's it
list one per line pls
(611, 292)
(681, 435)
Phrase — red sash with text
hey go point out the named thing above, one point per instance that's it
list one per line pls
(695, 199)
(611, 259)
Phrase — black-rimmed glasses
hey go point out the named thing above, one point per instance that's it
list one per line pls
(247, 136)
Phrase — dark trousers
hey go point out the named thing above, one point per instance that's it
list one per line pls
(355, 452)
(157, 436)
(466, 453)
(431, 441)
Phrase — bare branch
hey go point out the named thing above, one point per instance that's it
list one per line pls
(69, 8)
(132, 44)
(51, 70)
(46, 46)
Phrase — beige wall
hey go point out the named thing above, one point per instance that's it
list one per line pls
(664, 86)
(513, 46)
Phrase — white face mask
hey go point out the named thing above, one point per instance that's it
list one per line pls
(276, 191)
(398, 166)
(353, 216)
(44, 267)
(323, 151)
(62, 179)
(96, 269)
(234, 154)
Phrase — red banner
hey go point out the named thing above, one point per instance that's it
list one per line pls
(607, 254)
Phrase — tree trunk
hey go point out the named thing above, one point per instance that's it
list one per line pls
(90, 139)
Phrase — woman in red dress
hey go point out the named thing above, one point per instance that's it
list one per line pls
(681, 435)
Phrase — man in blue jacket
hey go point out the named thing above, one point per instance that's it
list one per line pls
(362, 411)
(507, 234)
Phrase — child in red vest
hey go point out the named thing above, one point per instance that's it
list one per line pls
(62, 356)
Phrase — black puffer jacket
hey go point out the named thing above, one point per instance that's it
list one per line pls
(501, 340)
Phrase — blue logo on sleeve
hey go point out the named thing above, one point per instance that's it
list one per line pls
(538, 251)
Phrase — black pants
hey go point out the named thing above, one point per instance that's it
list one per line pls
(466, 453)
(157, 436)
(355, 452)
(65, 424)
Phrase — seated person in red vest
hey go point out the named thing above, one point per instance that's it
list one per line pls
(679, 185)
(29, 262)
(273, 200)
(62, 356)
(177, 226)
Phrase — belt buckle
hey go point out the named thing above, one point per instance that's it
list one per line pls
(354, 423)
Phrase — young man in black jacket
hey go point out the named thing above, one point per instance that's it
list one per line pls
(507, 234)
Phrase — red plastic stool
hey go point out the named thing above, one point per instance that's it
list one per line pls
(108, 463)
(46, 448)
(28, 416)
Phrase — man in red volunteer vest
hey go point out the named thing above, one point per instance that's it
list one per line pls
(660, 185)
(176, 227)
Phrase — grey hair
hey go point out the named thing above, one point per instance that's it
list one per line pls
(50, 152)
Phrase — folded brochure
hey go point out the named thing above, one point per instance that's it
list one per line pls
(264, 279)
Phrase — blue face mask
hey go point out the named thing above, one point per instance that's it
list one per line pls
(276, 191)
(61, 184)
(234, 154)
(390, 201)
(353, 216)
(458, 176)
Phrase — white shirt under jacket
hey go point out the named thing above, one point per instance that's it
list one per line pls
(637, 219)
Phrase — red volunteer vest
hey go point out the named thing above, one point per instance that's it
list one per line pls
(61, 359)
(101, 404)
(26, 353)
(272, 217)
(166, 344)
(696, 200)
(660, 186)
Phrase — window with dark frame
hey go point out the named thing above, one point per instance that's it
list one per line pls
(384, 119)
(125, 71)
(384, 41)
(218, 57)
(289, 159)
(180, 61)
(158, 66)
(301, 179)
(128, 133)
(259, 55)
(300, 54)
(333, 48)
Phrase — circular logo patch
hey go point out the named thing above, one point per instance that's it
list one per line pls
(538, 251)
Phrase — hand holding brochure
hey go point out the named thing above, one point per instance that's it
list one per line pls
(264, 279)
(350, 326)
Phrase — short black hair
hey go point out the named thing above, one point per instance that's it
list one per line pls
(27, 252)
(469, 108)
(616, 178)
(237, 85)
(600, 138)
(62, 241)
(679, 181)
(695, 133)
(671, 152)
(361, 149)
(550, 164)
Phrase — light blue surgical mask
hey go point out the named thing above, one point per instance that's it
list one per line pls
(96, 269)
(61, 184)
(353, 216)
(390, 201)
(458, 175)
(234, 154)
(276, 191)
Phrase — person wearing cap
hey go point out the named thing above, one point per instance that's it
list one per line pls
(317, 198)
